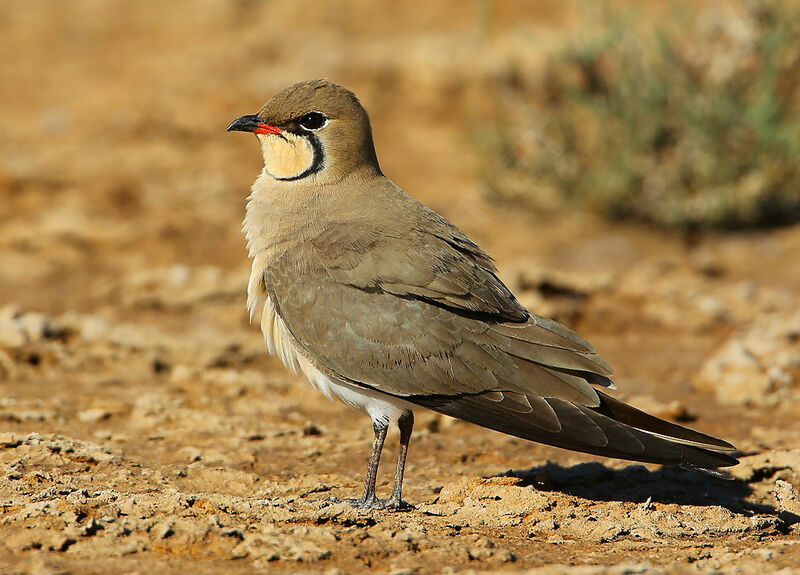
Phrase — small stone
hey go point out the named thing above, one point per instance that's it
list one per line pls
(548, 525)
(505, 556)
(18, 328)
(306, 552)
(93, 415)
(91, 528)
(160, 365)
(479, 553)
(164, 531)
(62, 543)
(240, 551)
(34, 326)
(182, 373)
(311, 428)
(788, 501)
(192, 454)
(9, 441)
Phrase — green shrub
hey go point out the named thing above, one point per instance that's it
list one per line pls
(690, 124)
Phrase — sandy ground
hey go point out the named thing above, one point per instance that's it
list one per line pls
(143, 428)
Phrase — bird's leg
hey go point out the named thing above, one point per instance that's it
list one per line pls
(369, 500)
(406, 426)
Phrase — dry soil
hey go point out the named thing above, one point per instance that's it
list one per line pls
(144, 429)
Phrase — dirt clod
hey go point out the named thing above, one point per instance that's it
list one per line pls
(144, 428)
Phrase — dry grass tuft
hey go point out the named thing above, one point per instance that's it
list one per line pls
(689, 124)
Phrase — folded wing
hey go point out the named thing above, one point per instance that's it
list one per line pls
(424, 317)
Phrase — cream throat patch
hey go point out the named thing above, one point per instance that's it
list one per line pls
(288, 156)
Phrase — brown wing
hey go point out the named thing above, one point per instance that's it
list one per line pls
(440, 266)
(407, 344)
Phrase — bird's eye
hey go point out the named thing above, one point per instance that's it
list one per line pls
(312, 121)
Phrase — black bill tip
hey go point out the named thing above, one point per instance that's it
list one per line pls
(245, 124)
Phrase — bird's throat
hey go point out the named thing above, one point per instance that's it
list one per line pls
(287, 156)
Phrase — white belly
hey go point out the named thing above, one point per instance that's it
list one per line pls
(379, 406)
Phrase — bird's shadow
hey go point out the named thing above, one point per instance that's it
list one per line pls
(637, 484)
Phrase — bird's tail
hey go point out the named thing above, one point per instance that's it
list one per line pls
(612, 429)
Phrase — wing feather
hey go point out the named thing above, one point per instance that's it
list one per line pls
(417, 264)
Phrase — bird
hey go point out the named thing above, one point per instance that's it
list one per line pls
(384, 304)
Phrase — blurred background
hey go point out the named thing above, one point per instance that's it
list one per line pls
(633, 167)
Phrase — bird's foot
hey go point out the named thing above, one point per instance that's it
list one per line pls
(397, 504)
(371, 503)
(367, 502)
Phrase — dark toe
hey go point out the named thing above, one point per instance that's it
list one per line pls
(398, 505)
(367, 504)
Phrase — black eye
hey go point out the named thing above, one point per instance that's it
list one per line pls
(312, 121)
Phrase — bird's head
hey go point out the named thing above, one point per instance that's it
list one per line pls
(313, 131)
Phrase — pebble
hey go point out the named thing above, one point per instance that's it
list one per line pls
(93, 415)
